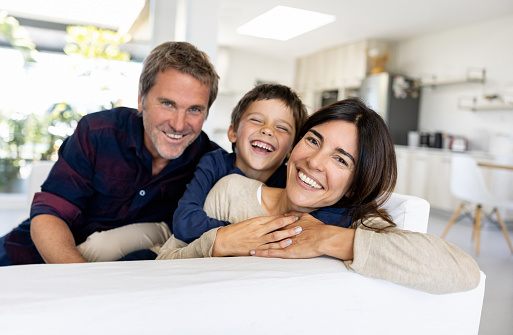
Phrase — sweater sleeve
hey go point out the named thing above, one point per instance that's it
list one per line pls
(199, 248)
(419, 261)
(189, 219)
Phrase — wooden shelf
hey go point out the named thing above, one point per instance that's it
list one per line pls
(473, 75)
(470, 103)
(490, 107)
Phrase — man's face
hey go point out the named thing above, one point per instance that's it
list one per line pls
(173, 114)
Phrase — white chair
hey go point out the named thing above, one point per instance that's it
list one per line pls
(467, 184)
(408, 212)
(38, 174)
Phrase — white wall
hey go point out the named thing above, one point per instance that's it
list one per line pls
(448, 54)
(239, 71)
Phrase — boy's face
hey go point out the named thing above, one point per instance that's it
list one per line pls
(263, 138)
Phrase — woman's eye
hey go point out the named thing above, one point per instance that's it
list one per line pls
(312, 140)
(342, 161)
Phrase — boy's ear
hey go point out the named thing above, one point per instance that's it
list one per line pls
(232, 134)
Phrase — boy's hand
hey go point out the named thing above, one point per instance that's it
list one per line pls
(240, 238)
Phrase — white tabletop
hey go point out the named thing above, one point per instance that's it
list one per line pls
(243, 295)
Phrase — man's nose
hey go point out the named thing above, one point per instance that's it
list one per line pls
(178, 122)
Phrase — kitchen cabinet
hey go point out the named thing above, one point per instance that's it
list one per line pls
(439, 191)
(426, 173)
(418, 179)
(402, 157)
(341, 68)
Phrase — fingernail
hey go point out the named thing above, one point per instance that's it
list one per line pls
(288, 242)
(252, 252)
(297, 218)
(298, 230)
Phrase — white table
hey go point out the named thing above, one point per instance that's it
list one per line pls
(244, 295)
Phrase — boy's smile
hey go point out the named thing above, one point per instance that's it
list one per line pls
(262, 146)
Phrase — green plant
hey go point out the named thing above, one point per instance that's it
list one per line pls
(92, 42)
(17, 36)
(61, 122)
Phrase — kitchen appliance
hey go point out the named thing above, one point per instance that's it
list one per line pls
(425, 139)
(458, 143)
(438, 140)
(396, 99)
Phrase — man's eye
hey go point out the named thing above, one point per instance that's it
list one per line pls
(166, 103)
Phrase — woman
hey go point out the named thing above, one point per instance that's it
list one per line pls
(344, 158)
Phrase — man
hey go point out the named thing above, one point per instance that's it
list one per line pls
(123, 166)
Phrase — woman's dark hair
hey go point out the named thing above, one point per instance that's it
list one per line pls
(375, 172)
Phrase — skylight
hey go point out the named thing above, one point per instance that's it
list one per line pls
(283, 23)
(112, 14)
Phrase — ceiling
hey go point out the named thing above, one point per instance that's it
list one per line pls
(389, 20)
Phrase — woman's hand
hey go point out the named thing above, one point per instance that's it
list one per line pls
(316, 239)
(239, 238)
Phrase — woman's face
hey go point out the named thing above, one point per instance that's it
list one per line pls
(321, 167)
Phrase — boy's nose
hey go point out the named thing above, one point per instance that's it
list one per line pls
(267, 131)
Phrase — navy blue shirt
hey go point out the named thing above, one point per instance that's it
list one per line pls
(103, 180)
(190, 220)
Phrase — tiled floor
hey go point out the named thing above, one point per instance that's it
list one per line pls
(495, 260)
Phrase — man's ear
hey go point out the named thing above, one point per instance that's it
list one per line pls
(139, 103)
(232, 134)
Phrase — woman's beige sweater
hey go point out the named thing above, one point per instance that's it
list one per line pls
(419, 261)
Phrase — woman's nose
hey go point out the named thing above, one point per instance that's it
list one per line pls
(317, 161)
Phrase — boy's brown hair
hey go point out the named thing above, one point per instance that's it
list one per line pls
(267, 92)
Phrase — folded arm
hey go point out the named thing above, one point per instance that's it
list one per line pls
(54, 241)
(234, 240)
(419, 261)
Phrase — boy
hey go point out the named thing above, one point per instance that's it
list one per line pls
(263, 128)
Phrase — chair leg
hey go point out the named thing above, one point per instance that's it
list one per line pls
(474, 226)
(478, 227)
(451, 221)
(504, 231)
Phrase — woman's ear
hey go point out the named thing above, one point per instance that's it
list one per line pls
(232, 134)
